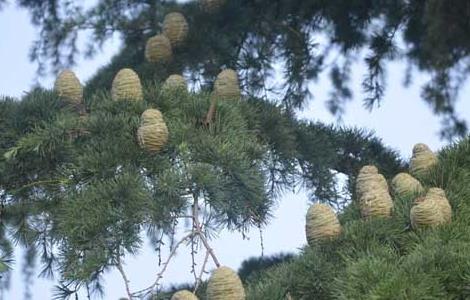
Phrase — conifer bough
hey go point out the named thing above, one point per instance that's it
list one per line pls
(372, 192)
(405, 185)
(225, 284)
(126, 86)
(321, 223)
(68, 87)
(422, 160)
(175, 82)
(183, 295)
(175, 28)
(153, 133)
(158, 49)
(226, 85)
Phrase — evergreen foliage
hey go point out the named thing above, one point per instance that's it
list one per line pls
(384, 258)
(305, 37)
(79, 191)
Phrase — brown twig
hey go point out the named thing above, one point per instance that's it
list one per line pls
(148, 290)
(198, 231)
(211, 112)
(203, 268)
(124, 277)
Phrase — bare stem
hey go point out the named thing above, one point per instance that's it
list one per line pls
(198, 231)
(124, 277)
(199, 279)
(211, 112)
(148, 290)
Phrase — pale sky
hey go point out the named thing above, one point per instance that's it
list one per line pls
(402, 120)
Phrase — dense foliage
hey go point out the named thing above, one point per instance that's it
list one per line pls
(385, 258)
(256, 37)
(79, 192)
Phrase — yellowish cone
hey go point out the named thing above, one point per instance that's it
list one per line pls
(405, 185)
(175, 28)
(422, 160)
(151, 116)
(321, 223)
(68, 87)
(211, 6)
(439, 196)
(152, 137)
(224, 284)
(372, 193)
(175, 82)
(226, 85)
(153, 133)
(366, 174)
(126, 86)
(183, 295)
(425, 213)
(158, 49)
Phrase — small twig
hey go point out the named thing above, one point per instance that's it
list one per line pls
(261, 240)
(211, 112)
(193, 259)
(199, 279)
(197, 227)
(124, 277)
(146, 291)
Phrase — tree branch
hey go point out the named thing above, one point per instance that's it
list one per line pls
(148, 290)
(198, 231)
(199, 279)
(124, 277)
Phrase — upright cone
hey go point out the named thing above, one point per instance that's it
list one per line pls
(425, 213)
(183, 295)
(175, 82)
(153, 133)
(439, 196)
(226, 85)
(68, 87)
(151, 116)
(372, 193)
(175, 28)
(225, 284)
(405, 185)
(366, 175)
(126, 86)
(422, 160)
(211, 6)
(321, 223)
(158, 49)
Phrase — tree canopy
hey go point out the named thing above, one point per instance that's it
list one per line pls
(305, 38)
(79, 191)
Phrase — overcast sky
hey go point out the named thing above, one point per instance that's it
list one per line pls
(402, 120)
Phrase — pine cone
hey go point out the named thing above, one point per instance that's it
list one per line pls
(175, 28)
(405, 185)
(225, 284)
(226, 85)
(158, 49)
(175, 82)
(422, 160)
(183, 295)
(68, 87)
(126, 86)
(321, 223)
(372, 193)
